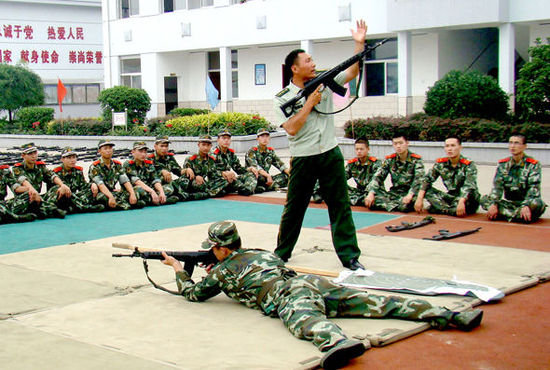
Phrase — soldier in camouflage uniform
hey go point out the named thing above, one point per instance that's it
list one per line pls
(6, 214)
(145, 178)
(361, 169)
(31, 173)
(260, 280)
(105, 173)
(459, 175)
(166, 164)
(202, 171)
(518, 178)
(234, 177)
(262, 157)
(406, 170)
(82, 193)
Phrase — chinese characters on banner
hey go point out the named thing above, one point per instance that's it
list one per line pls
(17, 31)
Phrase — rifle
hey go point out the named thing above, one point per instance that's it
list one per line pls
(445, 234)
(326, 78)
(411, 225)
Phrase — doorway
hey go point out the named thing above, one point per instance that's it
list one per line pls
(170, 93)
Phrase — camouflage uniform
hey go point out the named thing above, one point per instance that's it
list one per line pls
(99, 173)
(35, 176)
(520, 184)
(362, 175)
(207, 169)
(6, 214)
(81, 199)
(245, 182)
(263, 160)
(406, 177)
(178, 187)
(460, 181)
(149, 175)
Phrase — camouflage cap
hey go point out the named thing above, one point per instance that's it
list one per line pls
(162, 139)
(140, 145)
(205, 139)
(221, 234)
(67, 152)
(104, 142)
(261, 132)
(28, 148)
(224, 132)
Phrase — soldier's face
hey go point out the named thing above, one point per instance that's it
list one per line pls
(69, 161)
(224, 141)
(30, 158)
(361, 150)
(263, 140)
(204, 147)
(400, 145)
(161, 148)
(139, 154)
(106, 151)
(304, 67)
(452, 148)
(516, 145)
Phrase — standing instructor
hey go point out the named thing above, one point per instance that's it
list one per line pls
(315, 155)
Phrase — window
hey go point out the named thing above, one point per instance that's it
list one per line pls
(128, 8)
(381, 69)
(214, 71)
(171, 5)
(130, 72)
(76, 94)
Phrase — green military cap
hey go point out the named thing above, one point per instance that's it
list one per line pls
(261, 132)
(205, 139)
(67, 152)
(29, 148)
(104, 142)
(140, 145)
(224, 132)
(221, 234)
(162, 139)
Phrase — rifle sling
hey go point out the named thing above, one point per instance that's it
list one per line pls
(146, 268)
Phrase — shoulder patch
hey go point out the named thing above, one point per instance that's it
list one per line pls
(57, 169)
(531, 160)
(96, 162)
(270, 148)
(465, 161)
(18, 164)
(442, 160)
(169, 153)
(282, 92)
(40, 163)
(117, 162)
(217, 151)
(417, 156)
(79, 168)
(130, 161)
(255, 148)
(212, 157)
(353, 160)
(4, 167)
(391, 155)
(231, 150)
(148, 161)
(193, 157)
(152, 155)
(504, 160)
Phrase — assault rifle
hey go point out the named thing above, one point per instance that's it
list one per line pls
(326, 78)
(445, 234)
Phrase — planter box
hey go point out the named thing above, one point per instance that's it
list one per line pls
(481, 153)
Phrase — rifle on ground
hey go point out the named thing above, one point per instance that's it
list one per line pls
(411, 225)
(445, 234)
(326, 78)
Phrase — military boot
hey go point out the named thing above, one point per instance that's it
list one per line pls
(467, 320)
(341, 353)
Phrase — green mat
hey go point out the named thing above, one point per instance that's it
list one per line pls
(91, 226)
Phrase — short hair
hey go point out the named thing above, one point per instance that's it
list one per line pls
(362, 140)
(398, 134)
(523, 139)
(456, 138)
(290, 59)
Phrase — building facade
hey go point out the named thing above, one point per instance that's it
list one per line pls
(57, 39)
(169, 47)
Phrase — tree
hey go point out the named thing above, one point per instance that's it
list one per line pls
(533, 84)
(137, 101)
(19, 87)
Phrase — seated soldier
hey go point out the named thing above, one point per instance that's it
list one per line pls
(262, 157)
(166, 164)
(518, 178)
(145, 178)
(106, 173)
(31, 173)
(202, 170)
(459, 175)
(406, 170)
(260, 280)
(234, 177)
(82, 193)
(6, 214)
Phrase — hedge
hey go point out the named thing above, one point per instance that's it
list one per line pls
(79, 126)
(212, 123)
(34, 119)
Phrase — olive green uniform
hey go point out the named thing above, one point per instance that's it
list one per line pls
(99, 173)
(178, 186)
(520, 184)
(263, 160)
(207, 169)
(6, 214)
(147, 173)
(81, 199)
(245, 184)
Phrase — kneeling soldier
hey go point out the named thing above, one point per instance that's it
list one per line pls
(262, 157)
(166, 164)
(143, 175)
(6, 214)
(105, 173)
(459, 176)
(518, 178)
(202, 171)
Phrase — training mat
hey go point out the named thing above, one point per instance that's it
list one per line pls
(122, 313)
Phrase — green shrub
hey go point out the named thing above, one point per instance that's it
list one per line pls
(34, 119)
(79, 126)
(157, 124)
(466, 94)
(137, 101)
(236, 123)
(182, 112)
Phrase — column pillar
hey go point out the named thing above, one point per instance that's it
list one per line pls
(307, 46)
(404, 68)
(225, 80)
(506, 59)
(153, 82)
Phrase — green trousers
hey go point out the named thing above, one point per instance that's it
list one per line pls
(328, 167)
